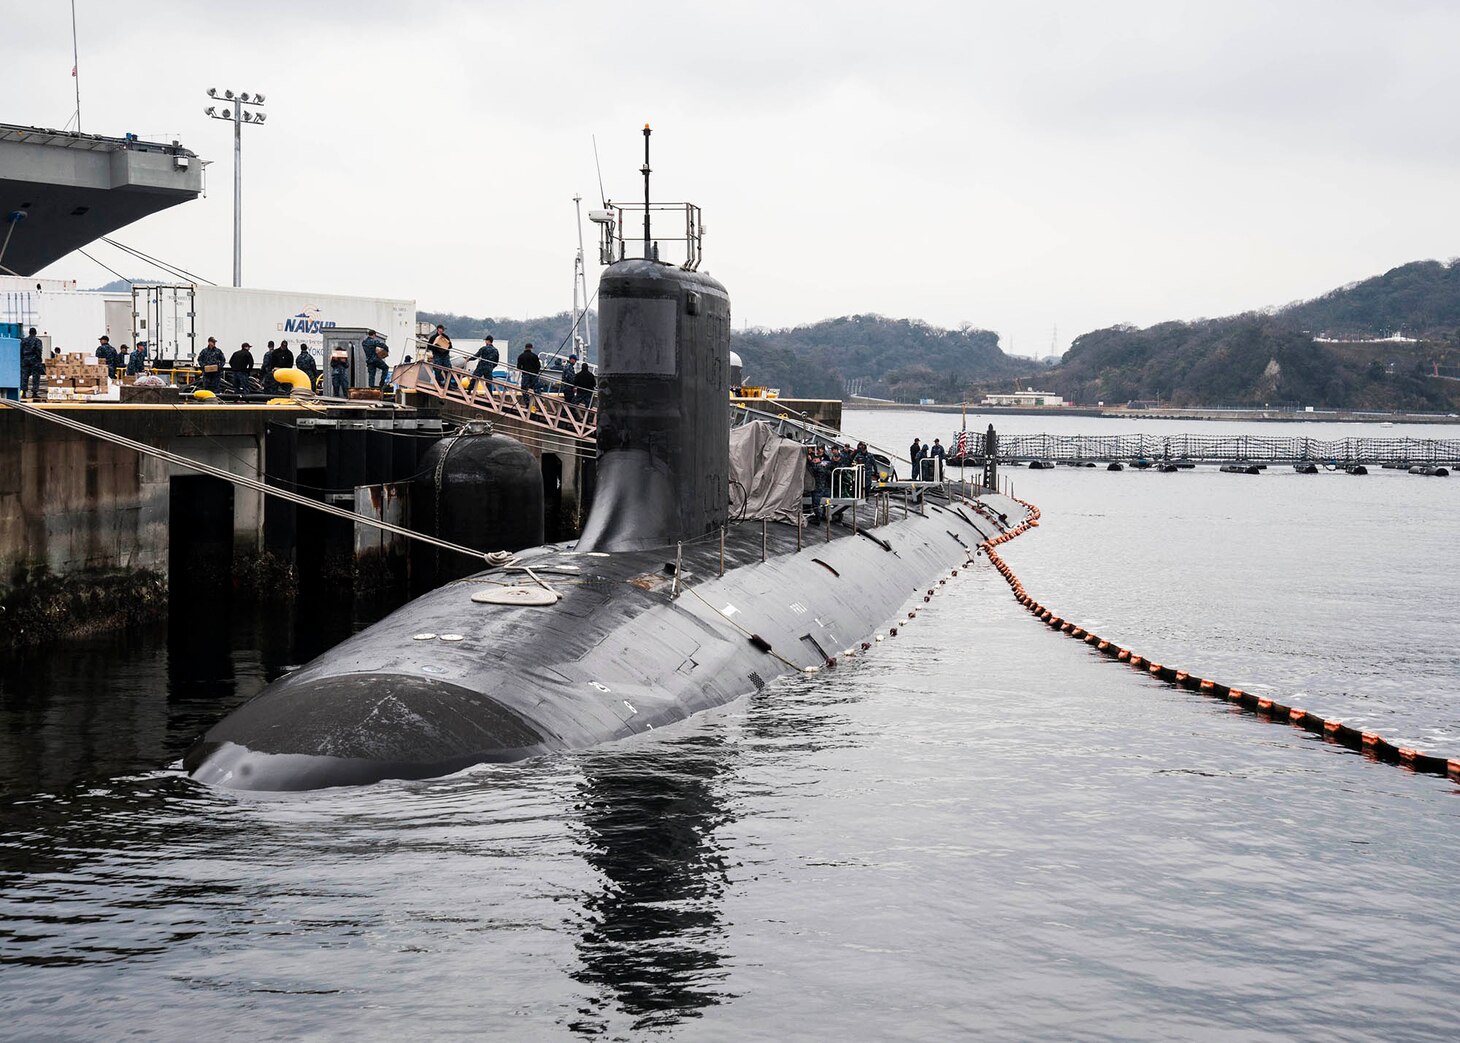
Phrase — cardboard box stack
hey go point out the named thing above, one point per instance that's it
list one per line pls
(74, 374)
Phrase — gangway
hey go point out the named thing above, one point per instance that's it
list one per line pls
(498, 397)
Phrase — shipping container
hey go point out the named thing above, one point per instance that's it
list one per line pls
(66, 318)
(177, 320)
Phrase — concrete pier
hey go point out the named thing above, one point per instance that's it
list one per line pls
(80, 514)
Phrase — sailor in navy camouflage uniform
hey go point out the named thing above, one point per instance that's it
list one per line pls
(339, 374)
(107, 355)
(487, 357)
(374, 360)
(32, 364)
(305, 364)
(939, 454)
(212, 355)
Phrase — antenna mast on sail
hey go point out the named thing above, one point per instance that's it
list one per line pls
(602, 195)
(647, 132)
(582, 336)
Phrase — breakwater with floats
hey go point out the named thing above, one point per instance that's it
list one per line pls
(1368, 743)
(1187, 450)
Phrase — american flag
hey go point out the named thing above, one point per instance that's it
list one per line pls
(960, 444)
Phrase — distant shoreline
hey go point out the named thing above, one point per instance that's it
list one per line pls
(1329, 416)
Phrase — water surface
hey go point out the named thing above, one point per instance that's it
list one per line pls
(980, 827)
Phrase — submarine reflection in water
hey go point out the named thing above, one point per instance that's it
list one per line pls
(654, 941)
(569, 646)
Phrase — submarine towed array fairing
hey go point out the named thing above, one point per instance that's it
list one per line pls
(634, 627)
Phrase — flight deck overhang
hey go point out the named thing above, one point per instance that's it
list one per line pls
(75, 188)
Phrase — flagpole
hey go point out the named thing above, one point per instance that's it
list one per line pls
(963, 442)
(76, 66)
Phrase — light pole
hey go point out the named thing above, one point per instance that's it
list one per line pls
(238, 116)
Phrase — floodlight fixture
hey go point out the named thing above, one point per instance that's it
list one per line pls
(238, 117)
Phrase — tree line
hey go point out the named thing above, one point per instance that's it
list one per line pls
(1277, 357)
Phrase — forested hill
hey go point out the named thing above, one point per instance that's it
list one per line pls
(893, 358)
(1286, 357)
(902, 359)
(1278, 358)
(1420, 299)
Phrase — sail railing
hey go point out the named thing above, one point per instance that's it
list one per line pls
(620, 238)
(493, 394)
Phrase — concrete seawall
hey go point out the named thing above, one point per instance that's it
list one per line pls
(91, 530)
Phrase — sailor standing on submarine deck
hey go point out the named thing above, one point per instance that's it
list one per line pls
(939, 454)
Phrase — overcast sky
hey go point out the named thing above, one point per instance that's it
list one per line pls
(1016, 167)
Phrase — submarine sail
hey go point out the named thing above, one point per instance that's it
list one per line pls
(663, 423)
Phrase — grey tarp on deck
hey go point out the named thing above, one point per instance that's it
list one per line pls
(767, 473)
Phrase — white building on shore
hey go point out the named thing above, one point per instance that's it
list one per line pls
(1028, 397)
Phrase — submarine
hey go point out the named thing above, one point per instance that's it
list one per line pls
(665, 606)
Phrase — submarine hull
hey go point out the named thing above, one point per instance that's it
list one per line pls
(624, 649)
(642, 623)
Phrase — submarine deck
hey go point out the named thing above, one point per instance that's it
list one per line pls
(562, 649)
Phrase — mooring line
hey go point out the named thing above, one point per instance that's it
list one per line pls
(1370, 744)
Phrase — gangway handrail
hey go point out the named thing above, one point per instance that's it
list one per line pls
(547, 410)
